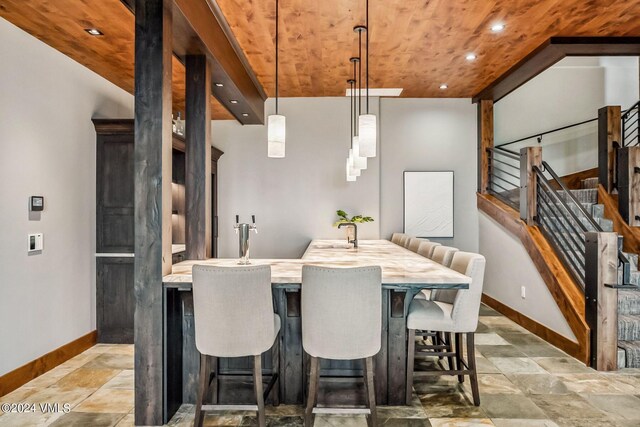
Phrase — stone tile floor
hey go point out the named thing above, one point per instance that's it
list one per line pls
(524, 382)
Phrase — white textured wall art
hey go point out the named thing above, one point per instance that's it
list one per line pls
(428, 204)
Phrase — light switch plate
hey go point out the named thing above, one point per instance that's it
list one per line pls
(523, 292)
(35, 242)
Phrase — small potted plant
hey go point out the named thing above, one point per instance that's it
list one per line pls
(343, 218)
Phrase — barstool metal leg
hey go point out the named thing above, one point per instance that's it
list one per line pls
(473, 375)
(370, 391)
(314, 375)
(202, 389)
(459, 365)
(258, 387)
(411, 354)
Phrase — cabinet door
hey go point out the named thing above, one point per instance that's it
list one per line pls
(115, 304)
(114, 194)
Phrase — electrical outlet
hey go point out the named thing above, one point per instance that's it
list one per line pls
(523, 292)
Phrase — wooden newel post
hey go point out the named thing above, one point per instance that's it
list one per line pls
(485, 141)
(601, 308)
(529, 157)
(629, 185)
(609, 137)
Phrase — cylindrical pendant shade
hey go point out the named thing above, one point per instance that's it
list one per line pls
(354, 170)
(367, 132)
(359, 162)
(350, 177)
(276, 130)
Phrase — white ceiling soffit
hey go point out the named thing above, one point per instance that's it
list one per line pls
(377, 92)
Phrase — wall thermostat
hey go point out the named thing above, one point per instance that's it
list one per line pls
(36, 203)
(35, 242)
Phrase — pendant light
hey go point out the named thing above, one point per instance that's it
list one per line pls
(359, 163)
(352, 172)
(276, 124)
(367, 123)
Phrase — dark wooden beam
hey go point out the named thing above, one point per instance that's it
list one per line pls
(485, 141)
(609, 137)
(201, 29)
(552, 51)
(152, 210)
(198, 158)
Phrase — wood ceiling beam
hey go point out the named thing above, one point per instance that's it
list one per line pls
(199, 27)
(552, 51)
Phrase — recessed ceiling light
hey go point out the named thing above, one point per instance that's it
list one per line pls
(443, 86)
(245, 114)
(94, 31)
(219, 84)
(233, 101)
(471, 56)
(496, 28)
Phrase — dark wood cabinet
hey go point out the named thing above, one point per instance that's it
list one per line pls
(115, 304)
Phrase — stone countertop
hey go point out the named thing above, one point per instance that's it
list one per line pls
(400, 266)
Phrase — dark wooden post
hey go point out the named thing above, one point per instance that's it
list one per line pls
(529, 157)
(629, 185)
(485, 141)
(601, 308)
(152, 200)
(609, 136)
(198, 157)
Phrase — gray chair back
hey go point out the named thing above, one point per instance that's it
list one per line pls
(341, 312)
(443, 255)
(426, 249)
(466, 303)
(397, 238)
(414, 243)
(233, 310)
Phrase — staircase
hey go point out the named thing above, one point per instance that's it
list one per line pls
(628, 299)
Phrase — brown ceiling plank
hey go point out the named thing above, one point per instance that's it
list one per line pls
(61, 24)
(552, 51)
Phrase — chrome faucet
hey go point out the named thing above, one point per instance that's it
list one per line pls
(243, 238)
(355, 232)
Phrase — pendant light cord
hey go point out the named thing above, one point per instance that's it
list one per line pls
(277, 37)
(367, 25)
(360, 73)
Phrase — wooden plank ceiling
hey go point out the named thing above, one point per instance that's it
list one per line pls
(61, 24)
(415, 44)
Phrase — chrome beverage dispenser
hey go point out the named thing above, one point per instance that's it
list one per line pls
(242, 230)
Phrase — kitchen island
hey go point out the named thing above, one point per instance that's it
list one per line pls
(404, 274)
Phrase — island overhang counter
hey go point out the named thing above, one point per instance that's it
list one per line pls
(404, 274)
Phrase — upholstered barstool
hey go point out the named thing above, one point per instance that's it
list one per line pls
(404, 240)
(426, 249)
(341, 320)
(414, 243)
(233, 316)
(460, 316)
(442, 255)
(397, 238)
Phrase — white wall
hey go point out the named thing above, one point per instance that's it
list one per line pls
(295, 198)
(571, 91)
(509, 268)
(429, 135)
(48, 148)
